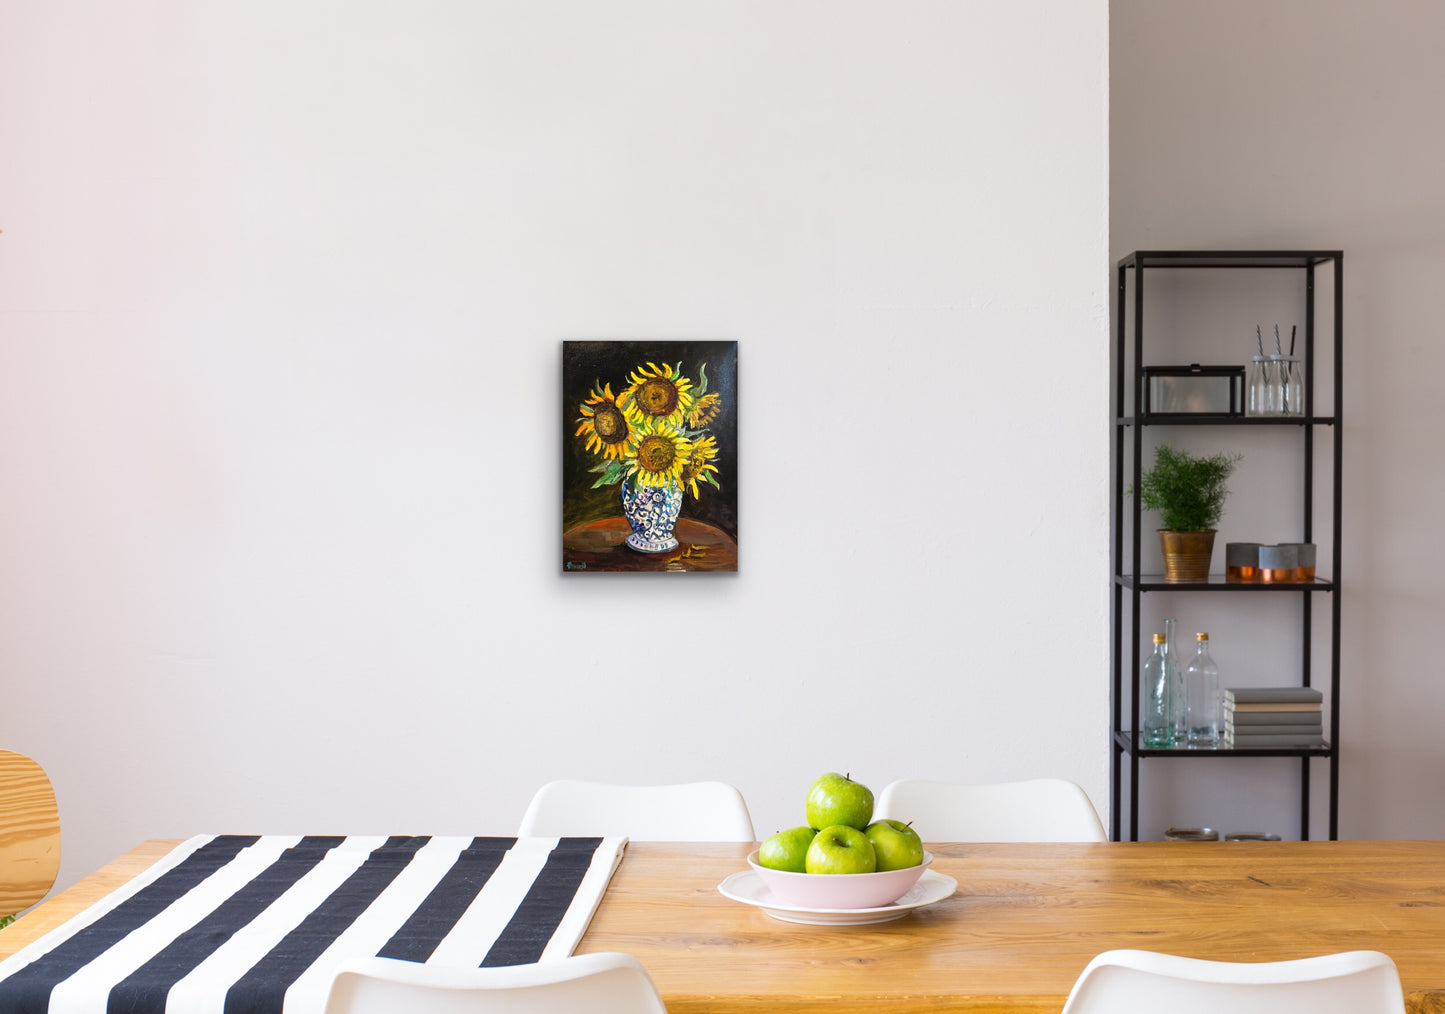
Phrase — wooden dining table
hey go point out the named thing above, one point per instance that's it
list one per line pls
(1023, 923)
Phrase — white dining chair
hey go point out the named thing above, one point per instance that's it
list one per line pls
(1352, 982)
(695, 811)
(607, 983)
(1038, 810)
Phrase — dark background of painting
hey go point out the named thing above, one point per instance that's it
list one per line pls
(585, 363)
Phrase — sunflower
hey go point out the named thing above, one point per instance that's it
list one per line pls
(699, 463)
(657, 392)
(707, 409)
(657, 452)
(604, 424)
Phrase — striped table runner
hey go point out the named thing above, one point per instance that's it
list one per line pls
(251, 924)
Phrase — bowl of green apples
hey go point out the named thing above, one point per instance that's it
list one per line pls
(841, 858)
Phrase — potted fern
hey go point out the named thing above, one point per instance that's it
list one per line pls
(1188, 493)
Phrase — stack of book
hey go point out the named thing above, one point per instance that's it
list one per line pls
(1273, 717)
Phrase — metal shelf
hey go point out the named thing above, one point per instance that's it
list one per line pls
(1218, 582)
(1230, 258)
(1208, 419)
(1129, 584)
(1126, 741)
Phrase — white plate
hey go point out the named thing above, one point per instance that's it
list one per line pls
(748, 888)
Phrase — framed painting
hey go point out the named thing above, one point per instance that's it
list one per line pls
(649, 456)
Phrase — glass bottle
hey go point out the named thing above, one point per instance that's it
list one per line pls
(1158, 717)
(1293, 385)
(1201, 685)
(1275, 382)
(1258, 393)
(1176, 682)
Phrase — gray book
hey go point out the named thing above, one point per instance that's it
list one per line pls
(1273, 695)
(1291, 740)
(1252, 718)
(1239, 706)
(1274, 730)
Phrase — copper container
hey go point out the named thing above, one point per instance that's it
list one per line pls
(1191, 834)
(1277, 564)
(1186, 555)
(1241, 562)
(1305, 560)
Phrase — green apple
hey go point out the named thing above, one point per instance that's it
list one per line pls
(841, 849)
(897, 845)
(837, 799)
(787, 850)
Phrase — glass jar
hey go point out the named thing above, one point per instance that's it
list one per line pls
(1257, 397)
(1292, 386)
(1274, 367)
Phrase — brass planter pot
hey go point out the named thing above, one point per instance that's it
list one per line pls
(1186, 555)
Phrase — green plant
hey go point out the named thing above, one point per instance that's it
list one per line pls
(1187, 491)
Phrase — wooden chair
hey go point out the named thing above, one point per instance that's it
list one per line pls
(29, 833)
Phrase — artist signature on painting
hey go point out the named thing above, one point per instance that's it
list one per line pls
(575, 566)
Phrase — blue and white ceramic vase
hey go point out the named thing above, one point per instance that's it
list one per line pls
(651, 511)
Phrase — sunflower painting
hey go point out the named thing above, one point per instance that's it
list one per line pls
(649, 459)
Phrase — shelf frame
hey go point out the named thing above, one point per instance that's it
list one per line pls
(1126, 740)
(1211, 419)
(1218, 582)
(1128, 581)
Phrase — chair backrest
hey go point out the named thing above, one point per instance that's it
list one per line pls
(29, 833)
(607, 983)
(697, 811)
(1040, 810)
(1353, 982)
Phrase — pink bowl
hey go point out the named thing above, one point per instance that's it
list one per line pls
(839, 890)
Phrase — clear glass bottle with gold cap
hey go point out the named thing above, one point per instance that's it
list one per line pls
(1157, 719)
(1201, 686)
(1178, 703)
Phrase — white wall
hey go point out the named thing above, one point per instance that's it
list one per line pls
(283, 288)
(1291, 124)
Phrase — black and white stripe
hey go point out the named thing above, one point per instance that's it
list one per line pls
(248, 924)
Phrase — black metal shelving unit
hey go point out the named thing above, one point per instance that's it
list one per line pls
(1129, 584)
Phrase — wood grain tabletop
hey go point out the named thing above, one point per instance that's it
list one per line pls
(1025, 920)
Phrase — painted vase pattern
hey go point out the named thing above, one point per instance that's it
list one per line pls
(652, 512)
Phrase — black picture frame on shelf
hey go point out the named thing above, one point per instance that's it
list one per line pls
(1171, 392)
